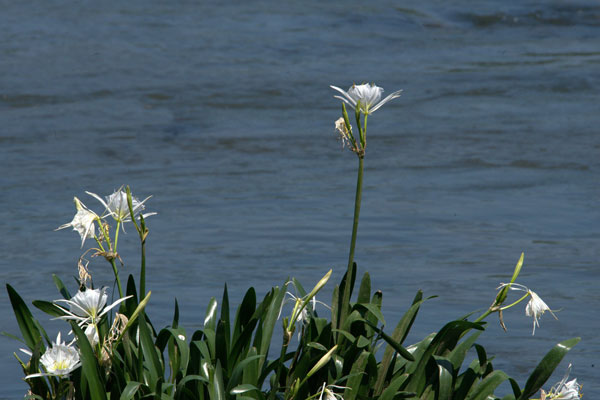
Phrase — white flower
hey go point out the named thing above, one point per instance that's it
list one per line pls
(535, 308)
(366, 98)
(59, 360)
(83, 222)
(88, 307)
(564, 390)
(116, 205)
(92, 334)
(328, 394)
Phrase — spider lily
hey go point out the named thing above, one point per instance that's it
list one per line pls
(116, 205)
(535, 307)
(83, 222)
(88, 307)
(365, 98)
(59, 360)
(564, 390)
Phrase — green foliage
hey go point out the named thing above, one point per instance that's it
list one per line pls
(229, 358)
(350, 354)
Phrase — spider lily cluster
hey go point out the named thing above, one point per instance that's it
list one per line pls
(116, 352)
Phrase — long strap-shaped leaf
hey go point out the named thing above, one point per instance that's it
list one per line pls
(89, 365)
(542, 372)
(25, 319)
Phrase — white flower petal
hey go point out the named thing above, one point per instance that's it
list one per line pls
(365, 97)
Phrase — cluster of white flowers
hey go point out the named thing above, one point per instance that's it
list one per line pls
(115, 206)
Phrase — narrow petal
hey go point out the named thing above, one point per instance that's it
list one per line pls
(116, 303)
(99, 199)
(346, 101)
(392, 96)
(349, 99)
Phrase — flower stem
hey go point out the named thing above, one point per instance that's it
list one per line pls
(516, 302)
(344, 307)
(116, 272)
(117, 235)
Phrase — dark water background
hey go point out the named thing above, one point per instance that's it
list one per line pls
(223, 112)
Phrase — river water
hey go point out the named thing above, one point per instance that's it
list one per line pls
(223, 113)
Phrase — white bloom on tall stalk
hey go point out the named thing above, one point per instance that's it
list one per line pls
(535, 308)
(116, 205)
(59, 360)
(564, 390)
(366, 98)
(87, 307)
(83, 222)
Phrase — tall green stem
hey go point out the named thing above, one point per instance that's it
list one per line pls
(143, 270)
(344, 308)
(116, 272)
(357, 200)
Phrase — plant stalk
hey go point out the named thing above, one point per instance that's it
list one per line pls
(344, 307)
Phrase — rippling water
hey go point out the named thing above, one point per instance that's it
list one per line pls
(223, 113)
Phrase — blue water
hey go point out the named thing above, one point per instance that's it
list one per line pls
(223, 112)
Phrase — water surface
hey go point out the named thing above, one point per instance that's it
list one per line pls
(224, 114)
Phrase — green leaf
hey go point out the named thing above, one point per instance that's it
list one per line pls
(486, 387)
(134, 316)
(130, 390)
(244, 314)
(150, 354)
(269, 322)
(89, 365)
(542, 372)
(210, 320)
(61, 287)
(398, 336)
(25, 319)
(445, 378)
(49, 308)
(132, 302)
(356, 375)
(373, 309)
(225, 317)
(457, 356)
(175, 322)
(443, 342)
(395, 345)
(364, 292)
(216, 387)
(390, 392)
(243, 389)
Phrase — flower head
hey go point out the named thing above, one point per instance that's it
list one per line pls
(535, 308)
(564, 390)
(88, 306)
(59, 360)
(116, 205)
(365, 98)
(83, 222)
